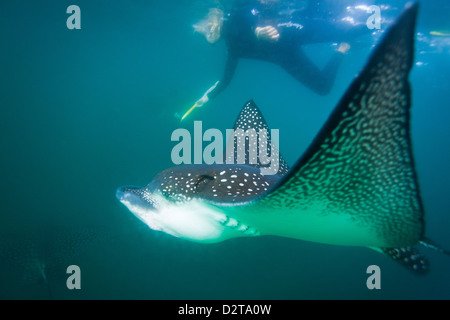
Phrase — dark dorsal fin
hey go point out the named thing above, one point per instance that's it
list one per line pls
(251, 117)
(361, 162)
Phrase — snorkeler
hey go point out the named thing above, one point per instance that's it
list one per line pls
(256, 29)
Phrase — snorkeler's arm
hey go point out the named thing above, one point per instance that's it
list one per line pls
(218, 87)
(228, 74)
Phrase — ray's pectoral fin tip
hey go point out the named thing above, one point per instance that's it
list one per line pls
(355, 185)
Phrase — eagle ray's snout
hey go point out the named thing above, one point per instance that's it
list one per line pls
(135, 196)
(124, 192)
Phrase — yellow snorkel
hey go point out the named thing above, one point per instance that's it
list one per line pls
(199, 103)
(440, 33)
(189, 111)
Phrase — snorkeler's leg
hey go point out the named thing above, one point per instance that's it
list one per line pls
(306, 72)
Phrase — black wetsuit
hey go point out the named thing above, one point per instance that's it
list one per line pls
(239, 33)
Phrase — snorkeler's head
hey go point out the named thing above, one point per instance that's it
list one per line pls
(211, 25)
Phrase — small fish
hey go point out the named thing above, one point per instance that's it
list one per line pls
(355, 185)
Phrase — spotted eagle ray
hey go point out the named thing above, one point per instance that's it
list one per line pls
(355, 185)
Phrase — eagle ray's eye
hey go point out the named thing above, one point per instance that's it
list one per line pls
(202, 182)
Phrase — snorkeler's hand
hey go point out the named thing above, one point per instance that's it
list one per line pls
(343, 47)
(267, 33)
(200, 102)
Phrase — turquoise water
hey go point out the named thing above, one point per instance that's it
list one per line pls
(85, 111)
